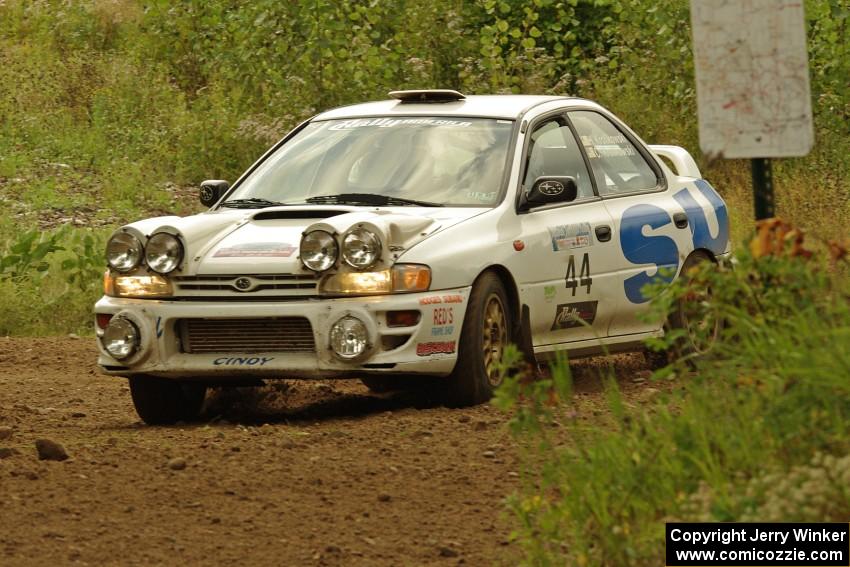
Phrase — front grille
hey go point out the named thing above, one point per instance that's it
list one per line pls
(236, 285)
(243, 336)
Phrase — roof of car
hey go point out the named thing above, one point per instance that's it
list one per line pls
(490, 106)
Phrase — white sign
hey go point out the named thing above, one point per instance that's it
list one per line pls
(752, 76)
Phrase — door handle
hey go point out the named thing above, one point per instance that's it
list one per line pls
(681, 220)
(603, 233)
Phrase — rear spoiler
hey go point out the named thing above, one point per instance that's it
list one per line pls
(683, 164)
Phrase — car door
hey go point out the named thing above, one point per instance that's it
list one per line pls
(566, 270)
(653, 235)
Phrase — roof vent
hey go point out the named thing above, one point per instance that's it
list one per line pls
(426, 96)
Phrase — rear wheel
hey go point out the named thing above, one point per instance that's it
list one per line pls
(485, 335)
(693, 313)
(161, 401)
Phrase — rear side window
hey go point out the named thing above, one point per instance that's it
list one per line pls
(618, 166)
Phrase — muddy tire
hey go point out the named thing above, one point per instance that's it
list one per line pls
(160, 401)
(701, 327)
(485, 334)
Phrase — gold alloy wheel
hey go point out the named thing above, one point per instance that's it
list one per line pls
(495, 338)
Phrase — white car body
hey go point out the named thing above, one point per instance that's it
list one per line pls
(550, 259)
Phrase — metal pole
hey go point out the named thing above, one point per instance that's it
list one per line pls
(763, 188)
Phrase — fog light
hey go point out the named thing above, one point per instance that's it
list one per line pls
(349, 338)
(120, 338)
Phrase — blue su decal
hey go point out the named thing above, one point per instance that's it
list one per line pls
(697, 221)
(640, 249)
(662, 251)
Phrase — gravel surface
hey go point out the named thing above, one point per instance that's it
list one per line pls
(295, 473)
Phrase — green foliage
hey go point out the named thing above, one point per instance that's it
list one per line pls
(50, 280)
(27, 255)
(767, 408)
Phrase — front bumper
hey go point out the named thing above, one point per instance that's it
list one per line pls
(430, 346)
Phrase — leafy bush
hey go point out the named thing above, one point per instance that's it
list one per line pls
(763, 420)
(49, 281)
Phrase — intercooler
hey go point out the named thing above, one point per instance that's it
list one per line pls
(253, 335)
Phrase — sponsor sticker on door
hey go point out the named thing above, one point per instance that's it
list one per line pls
(570, 236)
(572, 315)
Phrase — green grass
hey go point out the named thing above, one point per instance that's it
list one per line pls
(758, 433)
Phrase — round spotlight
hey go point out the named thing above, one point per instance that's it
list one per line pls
(163, 252)
(120, 338)
(349, 338)
(123, 252)
(319, 250)
(361, 248)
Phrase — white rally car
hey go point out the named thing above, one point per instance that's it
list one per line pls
(413, 236)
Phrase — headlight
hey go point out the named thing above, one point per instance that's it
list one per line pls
(361, 248)
(123, 252)
(140, 287)
(163, 252)
(401, 278)
(319, 250)
(349, 338)
(120, 338)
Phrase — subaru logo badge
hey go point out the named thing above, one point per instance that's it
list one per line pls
(243, 284)
(551, 188)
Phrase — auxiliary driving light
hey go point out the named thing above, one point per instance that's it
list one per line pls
(123, 252)
(349, 338)
(163, 252)
(361, 248)
(120, 338)
(319, 250)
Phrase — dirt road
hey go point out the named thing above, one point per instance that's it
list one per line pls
(301, 473)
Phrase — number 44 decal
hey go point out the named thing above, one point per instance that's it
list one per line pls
(584, 274)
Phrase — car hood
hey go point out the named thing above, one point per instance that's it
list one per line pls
(265, 241)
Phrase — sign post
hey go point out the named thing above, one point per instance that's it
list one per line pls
(752, 74)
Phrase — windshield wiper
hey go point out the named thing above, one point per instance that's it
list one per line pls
(368, 199)
(251, 203)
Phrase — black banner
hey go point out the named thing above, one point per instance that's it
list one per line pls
(758, 544)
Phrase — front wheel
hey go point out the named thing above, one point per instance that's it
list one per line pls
(485, 335)
(161, 401)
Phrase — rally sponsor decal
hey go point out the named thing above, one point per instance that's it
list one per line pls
(442, 347)
(443, 322)
(444, 316)
(392, 122)
(642, 245)
(435, 299)
(443, 331)
(482, 196)
(569, 236)
(242, 361)
(571, 315)
(549, 292)
(257, 250)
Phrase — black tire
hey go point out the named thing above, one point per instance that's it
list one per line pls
(161, 401)
(701, 328)
(473, 381)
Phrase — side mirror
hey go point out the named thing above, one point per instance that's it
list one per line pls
(212, 190)
(549, 189)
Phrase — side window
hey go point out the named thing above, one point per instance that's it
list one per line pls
(617, 165)
(554, 151)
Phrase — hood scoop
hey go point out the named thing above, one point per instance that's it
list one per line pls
(298, 214)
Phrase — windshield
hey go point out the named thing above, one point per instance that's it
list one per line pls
(399, 160)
